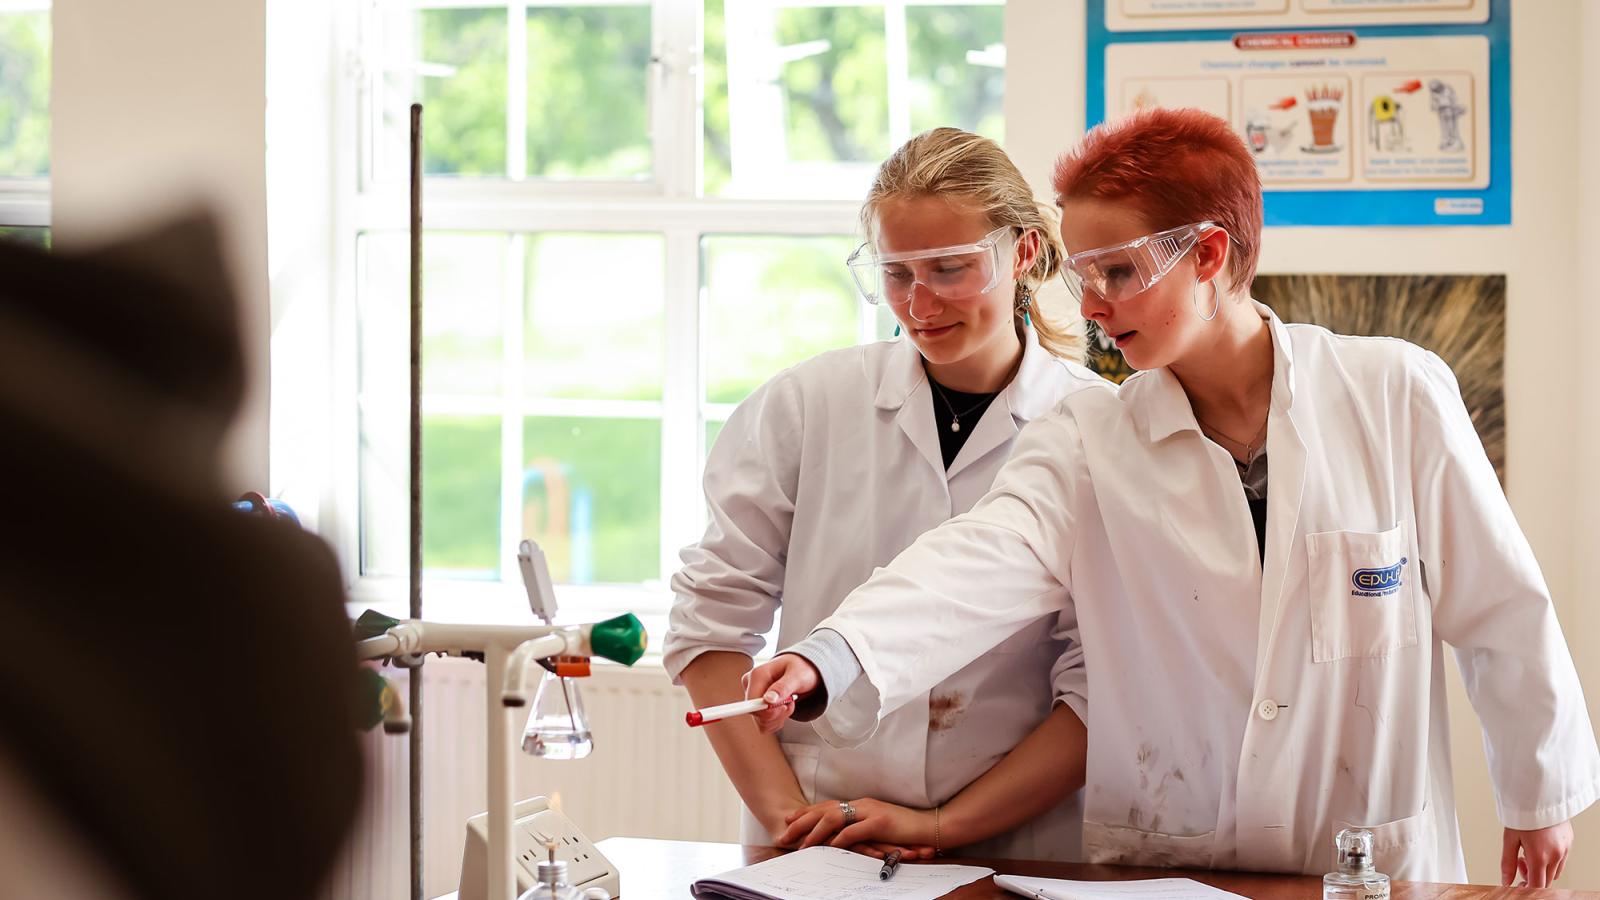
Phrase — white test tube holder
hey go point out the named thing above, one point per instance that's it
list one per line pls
(506, 651)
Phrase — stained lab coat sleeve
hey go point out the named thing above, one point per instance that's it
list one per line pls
(963, 587)
(731, 583)
(1491, 604)
(1069, 679)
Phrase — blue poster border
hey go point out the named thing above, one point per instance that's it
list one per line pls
(1357, 207)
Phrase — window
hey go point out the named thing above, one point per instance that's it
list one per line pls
(529, 90)
(768, 302)
(627, 236)
(25, 120)
(806, 98)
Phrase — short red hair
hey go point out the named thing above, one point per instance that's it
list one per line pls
(1177, 167)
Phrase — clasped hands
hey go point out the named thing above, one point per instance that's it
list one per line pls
(877, 829)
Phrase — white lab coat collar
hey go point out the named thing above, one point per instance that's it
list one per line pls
(1282, 359)
(1162, 408)
(901, 376)
(1029, 395)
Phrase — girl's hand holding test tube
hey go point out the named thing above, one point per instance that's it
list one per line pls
(699, 717)
(785, 675)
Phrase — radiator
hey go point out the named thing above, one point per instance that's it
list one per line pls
(649, 776)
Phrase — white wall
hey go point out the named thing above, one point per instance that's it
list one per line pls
(156, 104)
(1552, 375)
(1582, 617)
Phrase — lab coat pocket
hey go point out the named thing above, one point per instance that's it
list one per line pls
(1119, 845)
(1363, 603)
(804, 759)
(1400, 849)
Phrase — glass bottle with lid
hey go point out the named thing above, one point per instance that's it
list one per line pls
(1354, 877)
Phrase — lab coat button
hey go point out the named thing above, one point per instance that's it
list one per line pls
(1267, 710)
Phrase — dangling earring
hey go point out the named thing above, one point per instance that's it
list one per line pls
(1216, 301)
(896, 330)
(1024, 305)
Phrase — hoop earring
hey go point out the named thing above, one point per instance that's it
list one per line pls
(1216, 301)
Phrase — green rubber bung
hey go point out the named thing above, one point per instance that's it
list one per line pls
(621, 639)
(372, 623)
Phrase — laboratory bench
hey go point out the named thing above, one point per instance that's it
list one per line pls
(663, 870)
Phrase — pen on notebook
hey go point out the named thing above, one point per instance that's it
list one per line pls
(890, 863)
(697, 717)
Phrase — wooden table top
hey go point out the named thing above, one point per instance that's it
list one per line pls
(663, 870)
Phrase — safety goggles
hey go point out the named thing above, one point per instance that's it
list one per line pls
(1126, 270)
(959, 272)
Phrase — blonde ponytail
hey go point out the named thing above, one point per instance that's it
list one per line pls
(1053, 310)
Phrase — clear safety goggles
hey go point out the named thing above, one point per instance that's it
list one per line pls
(958, 272)
(1126, 270)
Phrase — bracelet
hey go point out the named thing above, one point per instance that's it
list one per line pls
(936, 851)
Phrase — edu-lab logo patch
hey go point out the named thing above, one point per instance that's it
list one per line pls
(1378, 582)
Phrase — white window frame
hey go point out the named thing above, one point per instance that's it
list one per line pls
(667, 204)
(24, 202)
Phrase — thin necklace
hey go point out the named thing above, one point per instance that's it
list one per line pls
(955, 417)
(1249, 448)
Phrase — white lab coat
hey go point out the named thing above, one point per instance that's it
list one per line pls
(824, 474)
(1240, 716)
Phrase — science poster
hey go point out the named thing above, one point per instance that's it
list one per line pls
(1358, 112)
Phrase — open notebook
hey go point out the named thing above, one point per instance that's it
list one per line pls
(1148, 889)
(826, 873)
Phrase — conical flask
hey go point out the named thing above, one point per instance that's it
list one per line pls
(557, 728)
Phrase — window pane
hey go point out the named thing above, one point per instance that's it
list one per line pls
(811, 97)
(25, 93)
(452, 61)
(463, 297)
(461, 493)
(834, 83)
(796, 99)
(591, 491)
(770, 303)
(712, 430)
(957, 68)
(717, 168)
(37, 237)
(460, 497)
(588, 113)
(596, 313)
